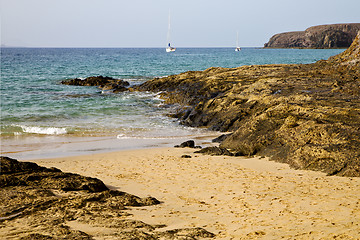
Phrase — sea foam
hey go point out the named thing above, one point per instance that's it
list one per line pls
(44, 130)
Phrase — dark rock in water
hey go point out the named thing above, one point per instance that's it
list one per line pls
(105, 83)
(215, 151)
(119, 89)
(89, 81)
(323, 36)
(306, 115)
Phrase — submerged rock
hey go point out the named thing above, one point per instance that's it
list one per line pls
(306, 115)
(104, 83)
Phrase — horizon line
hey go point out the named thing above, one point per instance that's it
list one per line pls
(7, 46)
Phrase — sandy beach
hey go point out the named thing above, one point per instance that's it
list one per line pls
(232, 197)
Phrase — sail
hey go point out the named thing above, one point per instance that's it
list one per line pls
(237, 39)
(169, 48)
(237, 49)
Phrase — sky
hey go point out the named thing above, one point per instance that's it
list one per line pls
(144, 23)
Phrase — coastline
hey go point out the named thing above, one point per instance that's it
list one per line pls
(305, 115)
(232, 197)
(26, 148)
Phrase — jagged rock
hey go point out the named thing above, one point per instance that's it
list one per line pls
(15, 173)
(186, 233)
(12, 166)
(323, 36)
(34, 205)
(36, 236)
(215, 151)
(221, 138)
(105, 83)
(306, 115)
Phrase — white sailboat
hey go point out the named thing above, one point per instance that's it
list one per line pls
(169, 47)
(237, 49)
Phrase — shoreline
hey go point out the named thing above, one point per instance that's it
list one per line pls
(55, 146)
(303, 114)
(232, 197)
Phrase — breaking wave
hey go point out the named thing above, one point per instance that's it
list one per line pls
(44, 130)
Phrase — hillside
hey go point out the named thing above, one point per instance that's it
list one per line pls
(322, 36)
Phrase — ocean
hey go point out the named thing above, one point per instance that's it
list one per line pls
(37, 110)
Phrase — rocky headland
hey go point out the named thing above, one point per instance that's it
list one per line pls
(45, 203)
(322, 36)
(306, 115)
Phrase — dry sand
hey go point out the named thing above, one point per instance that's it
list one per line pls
(233, 197)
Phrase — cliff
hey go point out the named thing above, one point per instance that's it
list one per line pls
(323, 36)
(306, 115)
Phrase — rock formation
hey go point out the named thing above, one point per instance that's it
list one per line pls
(15, 173)
(307, 115)
(42, 203)
(104, 83)
(323, 36)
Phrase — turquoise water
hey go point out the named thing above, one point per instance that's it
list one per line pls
(33, 102)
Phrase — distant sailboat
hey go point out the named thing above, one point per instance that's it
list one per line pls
(237, 49)
(169, 47)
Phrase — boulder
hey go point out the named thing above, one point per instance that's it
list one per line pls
(189, 144)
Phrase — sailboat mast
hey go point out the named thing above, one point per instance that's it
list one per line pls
(169, 47)
(237, 39)
(169, 27)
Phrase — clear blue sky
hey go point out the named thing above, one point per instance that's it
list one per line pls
(143, 23)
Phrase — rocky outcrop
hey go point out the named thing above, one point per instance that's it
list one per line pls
(15, 173)
(104, 83)
(215, 151)
(306, 115)
(42, 203)
(323, 36)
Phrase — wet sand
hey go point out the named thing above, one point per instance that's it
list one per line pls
(48, 146)
(233, 197)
